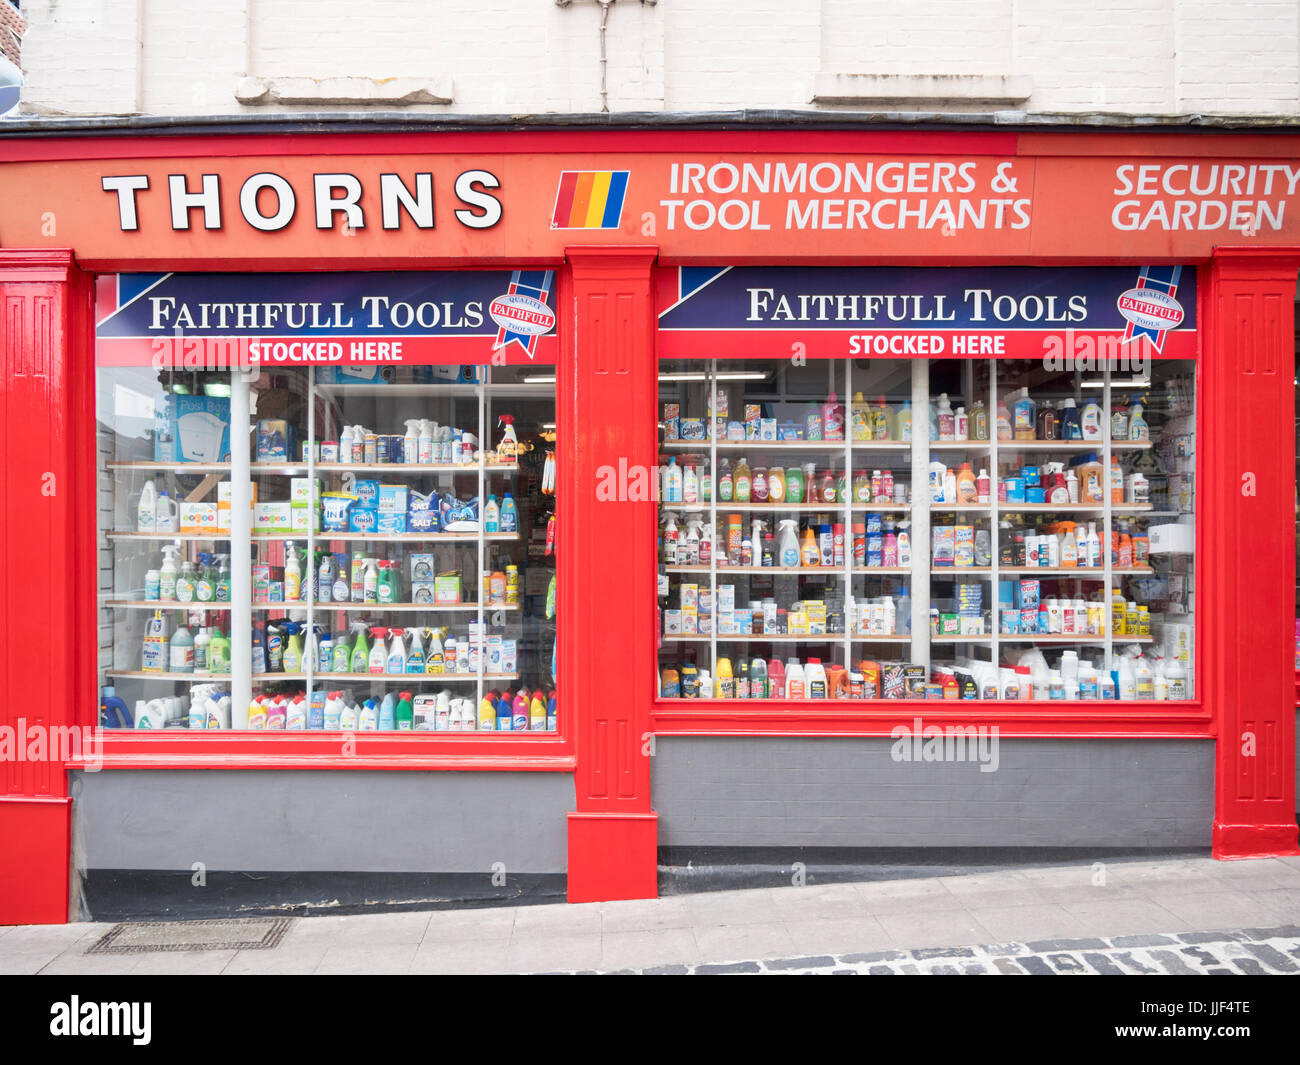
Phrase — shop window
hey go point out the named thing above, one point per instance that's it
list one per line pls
(1005, 528)
(400, 497)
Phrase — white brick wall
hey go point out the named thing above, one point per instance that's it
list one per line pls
(175, 57)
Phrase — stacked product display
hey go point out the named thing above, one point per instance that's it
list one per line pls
(1053, 562)
(376, 558)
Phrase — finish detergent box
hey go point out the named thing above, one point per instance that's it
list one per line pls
(192, 429)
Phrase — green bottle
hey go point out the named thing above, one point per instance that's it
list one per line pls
(403, 714)
(360, 655)
(794, 485)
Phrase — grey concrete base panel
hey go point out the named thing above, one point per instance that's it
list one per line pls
(833, 792)
(385, 822)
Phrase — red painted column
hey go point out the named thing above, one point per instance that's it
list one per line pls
(1246, 546)
(607, 390)
(47, 613)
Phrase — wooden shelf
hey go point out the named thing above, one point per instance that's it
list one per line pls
(1073, 508)
(296, 468)
(207, 678)
(432, 608)
(1073, 445)
(1095, 573)
(396, 538)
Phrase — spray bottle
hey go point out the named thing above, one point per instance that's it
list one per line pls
(787, 543)
(508, 449)
(411, 442)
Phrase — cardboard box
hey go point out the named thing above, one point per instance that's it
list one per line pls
(446, 588)
(363, 520)
(198, 517)
(945, 546)
(423, 566)
(275, 440)
(300, 490)
(389, 524)
(672, 622)
(423, 591)
(672, 414)
(272, 518)
(367, 492)
(393, 499)
(1171, 539)
(192, 429)
(304, 518)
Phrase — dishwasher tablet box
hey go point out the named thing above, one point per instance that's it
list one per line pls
(1172, 539)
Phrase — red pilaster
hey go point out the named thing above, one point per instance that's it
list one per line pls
(607, 391)
(47, 596)
(1246, 475)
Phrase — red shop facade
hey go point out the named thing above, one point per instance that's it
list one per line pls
(964, 373)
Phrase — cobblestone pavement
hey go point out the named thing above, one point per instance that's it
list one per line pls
(1245, 951)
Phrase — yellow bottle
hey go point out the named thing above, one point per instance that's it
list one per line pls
(861, 418)
(726, 682)
(1118, 614)
(881, 427)
(487, 716)
(742, 480)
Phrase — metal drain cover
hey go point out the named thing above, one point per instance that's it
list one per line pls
(148, 937)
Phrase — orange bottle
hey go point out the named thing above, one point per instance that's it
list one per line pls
(837, 682)
(870, 679)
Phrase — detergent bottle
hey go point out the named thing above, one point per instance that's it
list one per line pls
(505, 712)
(905, 422)
(1071, 429)
(726, 681)
(492, 515)
(146, 511)
(743, 481)
(487, 712)
(295, 718)
(537, 712)
(180, 655)
(519, 712)
(368, 719)
(292, 572)
(861, 418)
(810, 552)
(387, 713)
(815, 679)
(510, 515)
(1024, 415)
(832, 419)
(979, 421)
(113, 711)
(185, 582)
(1090, 421)
(881, 422)
(944, 418)
(794, 680)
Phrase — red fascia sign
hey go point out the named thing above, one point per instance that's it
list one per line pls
(698, 198)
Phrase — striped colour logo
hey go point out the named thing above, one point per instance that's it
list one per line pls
(590, 199)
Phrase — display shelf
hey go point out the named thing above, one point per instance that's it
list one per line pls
(439, 389)
(1073, 508)
(959, 638)
(431, 608)
(1067, 638)
(396, 538)
(208, 678)
(761, 508)
(960, 508)
(1095, 573)
(114, 534)
(834, 637)
(960, 571)
(170, 467)
(763, 446)
(882, 508)
(413, 467)
(776, 571)
(1073, 445)
(959, 445)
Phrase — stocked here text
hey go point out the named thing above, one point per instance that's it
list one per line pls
(927, 344)
(220, 352)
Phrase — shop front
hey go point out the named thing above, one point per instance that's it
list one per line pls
(478, 515)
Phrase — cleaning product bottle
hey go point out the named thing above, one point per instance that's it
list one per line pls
(292, 572)
(1119, 420)
(944, 418)
(537, 712)
(519, 711)
(967, 491)
(505, 712)
(671, 489)
(1090, 421)
(794, 485)
(342, 654)
(415, 657)
(168, 572)
(387, 713)
(1004, 429)
(508, 448)
(726, 681)
(1070, 427)
(1025, 416)
(904, 421)
(411, 442)
(492, 515)
(787, 537)
(185, 582)
(882, 421)
(812, 422)
(165, 514)
(370, 581)
(1137, 423)
(146, 508)
(487, 712)
(794, 680)
(979, 421)
(1116, 480)
(360, 654)
(690, 484)
(861, 419)
(815, 679)
(743, 481)
(396, 660)
(1049, 423)
(809, 553)
(961, 425)
(832, 419)
(368, 719)
(510, 514)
